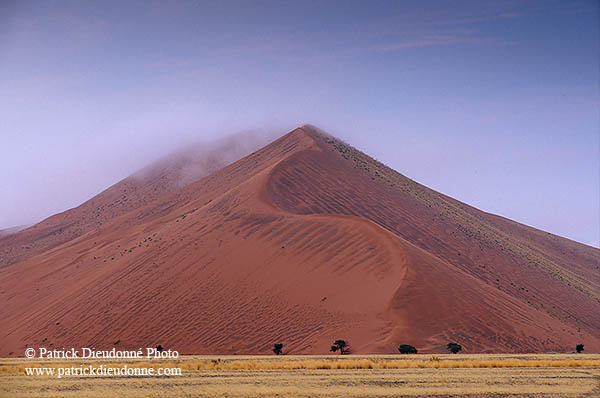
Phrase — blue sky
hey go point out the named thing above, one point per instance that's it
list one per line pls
(493, 103)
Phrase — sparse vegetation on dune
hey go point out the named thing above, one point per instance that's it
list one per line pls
(474, 226)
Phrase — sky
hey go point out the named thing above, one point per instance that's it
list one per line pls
(493, 103)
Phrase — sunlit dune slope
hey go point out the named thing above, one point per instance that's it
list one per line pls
(302, 242)
(167, 175)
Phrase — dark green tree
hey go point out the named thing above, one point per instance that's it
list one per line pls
(340, 345)
(579, 348)
(453, 347)
(277, 348)
(407, 349)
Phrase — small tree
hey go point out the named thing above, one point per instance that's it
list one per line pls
(159, 348)
(579, 348)
(407, 349)
(453, 347)
(277, 348)
(340, 345)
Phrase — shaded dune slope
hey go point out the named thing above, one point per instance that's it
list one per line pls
(551, 274)
(301, 243)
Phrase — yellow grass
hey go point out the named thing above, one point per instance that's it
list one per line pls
(192, 363)
(320, 376)
(385, 364)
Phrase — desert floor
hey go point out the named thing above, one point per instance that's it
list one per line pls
(462, 375)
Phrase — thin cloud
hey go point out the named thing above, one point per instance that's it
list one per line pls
(422, 42)
(431, 41)
(462, 21)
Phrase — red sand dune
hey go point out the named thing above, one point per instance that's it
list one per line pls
(302, 242)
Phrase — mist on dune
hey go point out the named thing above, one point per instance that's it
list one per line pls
(66, 179)
(195, 160)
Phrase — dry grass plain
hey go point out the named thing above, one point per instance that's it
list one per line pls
(548, 375)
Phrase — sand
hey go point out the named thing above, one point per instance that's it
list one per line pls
(304, 241)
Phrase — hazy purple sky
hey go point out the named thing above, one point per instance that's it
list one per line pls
(495, 103)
